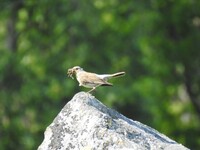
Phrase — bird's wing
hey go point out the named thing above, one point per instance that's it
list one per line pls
(92, 78)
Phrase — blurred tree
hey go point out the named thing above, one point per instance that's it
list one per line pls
(155, 42)
(171, 56)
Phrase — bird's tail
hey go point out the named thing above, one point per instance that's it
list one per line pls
(108, 76)
(118, 74)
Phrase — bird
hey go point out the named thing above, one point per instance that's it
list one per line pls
(92, 80)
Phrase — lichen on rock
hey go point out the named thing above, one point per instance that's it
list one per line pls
(86, 124)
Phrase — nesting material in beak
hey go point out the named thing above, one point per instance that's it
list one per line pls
(70, 73)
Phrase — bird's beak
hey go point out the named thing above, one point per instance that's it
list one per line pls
(70, 73)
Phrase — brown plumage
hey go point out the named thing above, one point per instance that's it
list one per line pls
(92, 80)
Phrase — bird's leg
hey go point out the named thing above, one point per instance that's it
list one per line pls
(93, 88)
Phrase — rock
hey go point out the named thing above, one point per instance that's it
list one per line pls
(86, 124)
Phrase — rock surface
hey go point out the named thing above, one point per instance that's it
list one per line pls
(86, 124)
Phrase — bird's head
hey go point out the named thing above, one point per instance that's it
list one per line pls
(77, 69)
(74, 70)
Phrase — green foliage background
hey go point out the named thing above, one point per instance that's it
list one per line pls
(155, 42)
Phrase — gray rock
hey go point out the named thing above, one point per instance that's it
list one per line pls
(86, 124)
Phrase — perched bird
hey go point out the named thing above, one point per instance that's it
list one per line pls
(91, 80)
